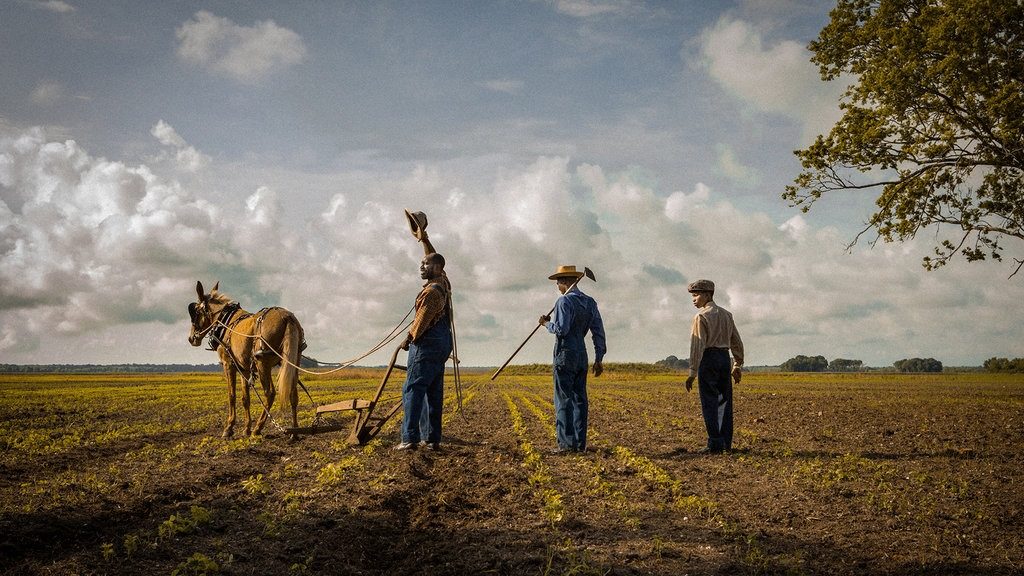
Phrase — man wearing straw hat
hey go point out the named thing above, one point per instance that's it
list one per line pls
(712, 336)
(575, 314)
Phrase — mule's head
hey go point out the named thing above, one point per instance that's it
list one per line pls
(201, 314)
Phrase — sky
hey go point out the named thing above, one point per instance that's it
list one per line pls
(272, 147)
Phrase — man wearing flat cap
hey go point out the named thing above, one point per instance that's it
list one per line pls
(712, 336)
(575, 315)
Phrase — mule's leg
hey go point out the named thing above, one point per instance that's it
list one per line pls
(268, 392)
(295, 403)
(245, 403)
(229, 376)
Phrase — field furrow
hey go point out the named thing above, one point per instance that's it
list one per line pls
(831, 474)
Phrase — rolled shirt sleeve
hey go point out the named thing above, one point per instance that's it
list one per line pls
(430, 306)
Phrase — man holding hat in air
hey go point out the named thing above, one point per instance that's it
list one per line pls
(429, 343)
(575, 315)
(712, 336)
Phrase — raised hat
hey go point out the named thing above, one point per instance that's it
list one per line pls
(417, 222)
(565, 272)
(701, 286)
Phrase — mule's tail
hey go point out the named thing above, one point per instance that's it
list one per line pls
(287, 376)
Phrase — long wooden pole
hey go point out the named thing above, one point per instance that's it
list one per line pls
(586, 273)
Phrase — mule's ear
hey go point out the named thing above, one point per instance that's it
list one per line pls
(215, 286)
(199, 290)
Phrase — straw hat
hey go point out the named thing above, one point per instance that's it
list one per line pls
(565, 272)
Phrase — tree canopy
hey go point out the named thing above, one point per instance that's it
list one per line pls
(918, 365)
(674, 363)
(845, 365)
(801, 363)
(994, 364)
(934, 121)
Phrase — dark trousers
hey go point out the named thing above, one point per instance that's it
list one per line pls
(571, 404)
(715, 384)
(424, 384)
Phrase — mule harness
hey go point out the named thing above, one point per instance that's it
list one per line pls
(224, 319)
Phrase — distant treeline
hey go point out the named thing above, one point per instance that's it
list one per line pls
(631, 367)
(1004, 365)
(127, 368)
(803, 363)
(673, 363)
(918, 365)
(668, 365)
(105, 368)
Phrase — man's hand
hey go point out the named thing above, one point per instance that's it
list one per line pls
(737, 374)
(598, 368)
(689, 383)
(407, 341)
(545, 319)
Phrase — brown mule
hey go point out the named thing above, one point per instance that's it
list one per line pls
(250, 345)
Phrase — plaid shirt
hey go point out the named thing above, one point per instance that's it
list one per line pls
(431, 306)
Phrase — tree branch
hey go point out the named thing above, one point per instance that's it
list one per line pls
(1017, 269)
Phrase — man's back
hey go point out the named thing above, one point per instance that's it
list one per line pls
(575, 314)
(717, 324)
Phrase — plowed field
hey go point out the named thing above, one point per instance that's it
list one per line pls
(831, 474)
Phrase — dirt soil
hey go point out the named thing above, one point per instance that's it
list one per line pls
(829, 476)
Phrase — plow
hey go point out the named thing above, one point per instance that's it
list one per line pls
(366, 424)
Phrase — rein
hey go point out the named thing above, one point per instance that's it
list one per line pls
(394, 333)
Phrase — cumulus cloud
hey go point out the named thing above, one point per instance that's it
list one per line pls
(679, 204)
(186, 157)
(244, 53)
(88, 244)
(775, 78)
(166, 134)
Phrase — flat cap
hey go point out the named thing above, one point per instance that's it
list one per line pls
(701, 286)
